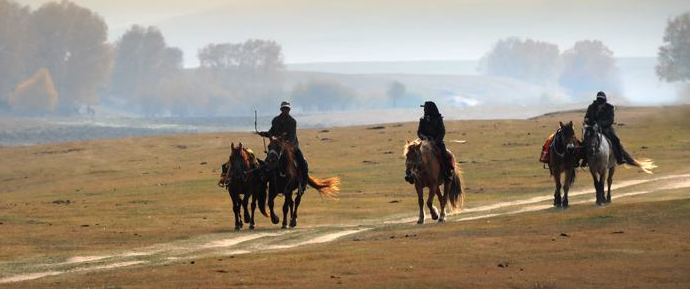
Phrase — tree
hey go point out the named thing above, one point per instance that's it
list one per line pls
(323, 95)
(588, 66)
(35, 95)
(71, 42)
(142, 57)
(674, 54)
(396, 91)
(13, 46)
(251, 71)
(528, 60)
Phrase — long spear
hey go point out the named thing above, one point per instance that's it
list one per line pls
(257, 130)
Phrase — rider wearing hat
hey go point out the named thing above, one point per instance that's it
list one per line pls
(601, 112)
(285, 125)
(431, 128)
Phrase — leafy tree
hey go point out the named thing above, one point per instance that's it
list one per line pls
(13, 22)
(35, 95)
(528, 60)
(588, 66)
(71, 43)
(674, 55)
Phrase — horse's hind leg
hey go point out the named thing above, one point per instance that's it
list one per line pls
(430, 203)
(557, 193)
(420, 200)
(271, 203)
(610, 182)
(251, 222)
(443, 199)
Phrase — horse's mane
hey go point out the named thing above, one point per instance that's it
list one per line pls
(244, 153)
(413, 145)
(288, 153)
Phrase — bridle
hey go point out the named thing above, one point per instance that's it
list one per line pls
(567, 147)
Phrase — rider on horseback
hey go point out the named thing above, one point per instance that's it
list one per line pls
(285, 125)
(431, 128)
(600, 112)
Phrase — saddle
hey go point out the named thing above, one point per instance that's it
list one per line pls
(544, 158)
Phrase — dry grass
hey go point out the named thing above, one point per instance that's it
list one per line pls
(128, 193)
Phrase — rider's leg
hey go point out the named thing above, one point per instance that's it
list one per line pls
(303, 167)
(446, 165)
(616, 142)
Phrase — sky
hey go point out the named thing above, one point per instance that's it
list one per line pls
(393, 30)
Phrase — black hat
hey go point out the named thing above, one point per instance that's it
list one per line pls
(601, 95)
(430, 108)
(284, 104)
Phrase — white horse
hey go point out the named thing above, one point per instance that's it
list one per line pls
(601, 158)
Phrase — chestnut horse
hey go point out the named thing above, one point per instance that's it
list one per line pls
(423, 162)
(241, 177)
(284, 177)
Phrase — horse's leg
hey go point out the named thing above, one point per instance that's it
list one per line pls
(286, 206)
(430, 204)
(443, 199)
(557, 193)
(245, 204)
(236, 210)
(612, 170)
(593, 172)
(272, 194)
(420, 200)
(251, 222)
(298, 199)
(569, 174)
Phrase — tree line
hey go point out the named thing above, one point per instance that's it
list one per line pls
(56, 59)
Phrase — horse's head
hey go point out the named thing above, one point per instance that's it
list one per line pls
(277, 149)
(413, 155)
(568, 136)
(239, 161)
(589, 137)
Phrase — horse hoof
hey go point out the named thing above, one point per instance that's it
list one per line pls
(420, 222)
(251, 227)
(293, 223)
(275, 220)
(284, 227)
(442, 220)
(237, 228)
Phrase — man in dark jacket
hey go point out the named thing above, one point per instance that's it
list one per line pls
(431, 128)
(600, 112)
(285, 125)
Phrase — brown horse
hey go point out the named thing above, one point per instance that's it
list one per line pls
(241, 177)
(423, 163)
(284, 178)
(562, 157)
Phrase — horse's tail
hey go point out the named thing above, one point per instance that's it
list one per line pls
(646, 165)
(327, 187)
(457, 198)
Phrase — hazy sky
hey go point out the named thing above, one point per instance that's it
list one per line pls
(388, 30)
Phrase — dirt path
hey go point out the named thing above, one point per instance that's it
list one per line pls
(268, 240)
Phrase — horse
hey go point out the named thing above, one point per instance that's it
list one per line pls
(240, 177)
(423, 163)
(562, 159)
(284, 179)
(601, 157)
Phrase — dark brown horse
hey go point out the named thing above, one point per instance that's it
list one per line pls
(423, 162)
(284, 179)
(241, 176)
(563, 153)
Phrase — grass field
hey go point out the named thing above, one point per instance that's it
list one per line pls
(82, 199)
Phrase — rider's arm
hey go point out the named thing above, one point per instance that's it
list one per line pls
(420, 130)
(442, 129)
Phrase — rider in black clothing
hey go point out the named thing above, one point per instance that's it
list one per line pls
(285, 125)
(600, 112)
(431, 128)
